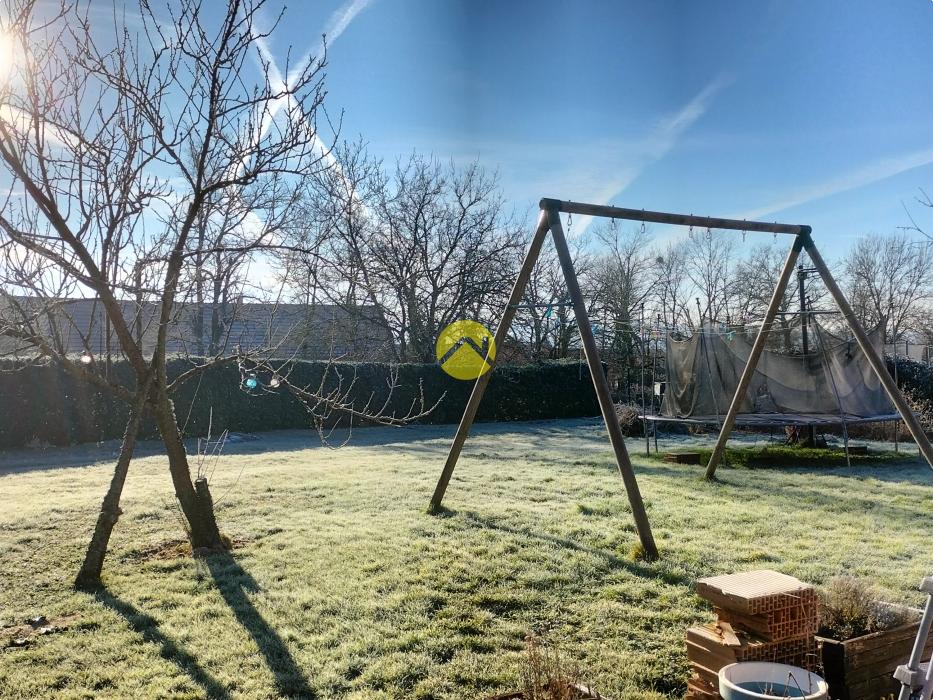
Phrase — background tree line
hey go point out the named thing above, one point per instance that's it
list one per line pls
(430, 242)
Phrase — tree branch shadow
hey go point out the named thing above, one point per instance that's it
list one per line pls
(647, 570)
(148, 628)
(234, 584)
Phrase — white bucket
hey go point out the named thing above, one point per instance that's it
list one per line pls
(760, 680)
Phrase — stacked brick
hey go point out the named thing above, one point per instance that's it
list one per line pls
(761, 616)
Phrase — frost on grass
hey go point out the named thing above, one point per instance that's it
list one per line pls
(342, 579)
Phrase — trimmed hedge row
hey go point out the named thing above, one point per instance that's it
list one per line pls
(912, 375)
(46, 405)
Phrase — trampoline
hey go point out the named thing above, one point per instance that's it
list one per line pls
(830, 386)
(772, 420)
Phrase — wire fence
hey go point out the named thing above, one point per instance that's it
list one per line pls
(912, 351)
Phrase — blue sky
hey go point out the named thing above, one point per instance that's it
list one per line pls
(810, 112)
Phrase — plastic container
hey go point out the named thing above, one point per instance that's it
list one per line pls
(761, 680)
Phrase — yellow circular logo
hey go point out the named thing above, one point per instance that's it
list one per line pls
(465, 350)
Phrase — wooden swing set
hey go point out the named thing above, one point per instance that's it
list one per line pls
(549, 220)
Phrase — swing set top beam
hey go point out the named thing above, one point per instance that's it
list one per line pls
(661, 217)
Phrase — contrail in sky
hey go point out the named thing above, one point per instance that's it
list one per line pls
(866, 175)
(658, 144)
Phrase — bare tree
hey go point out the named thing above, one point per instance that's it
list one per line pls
(334, 228)
(624, 279)
(545, 326)
(122, 152)
(672, 284)
(709, 267)
(889, 277)
(428, 244)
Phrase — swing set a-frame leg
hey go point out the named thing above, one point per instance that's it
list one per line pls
(874, 359)
(479, 388)
(550, 220)
(603, 394)
(754, 356)
(804, 241)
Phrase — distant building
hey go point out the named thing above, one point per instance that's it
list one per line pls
(314, 332)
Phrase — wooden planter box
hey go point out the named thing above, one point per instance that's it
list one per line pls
(584, 693)
(863, 668)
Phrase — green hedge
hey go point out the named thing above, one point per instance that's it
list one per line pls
(45, 405)
(912, 375)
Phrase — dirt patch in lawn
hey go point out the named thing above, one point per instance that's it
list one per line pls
(22, 635)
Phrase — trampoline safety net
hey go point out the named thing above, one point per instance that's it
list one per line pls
(831, 384)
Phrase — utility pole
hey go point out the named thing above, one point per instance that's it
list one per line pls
(804, 322)
(642, 354)
(654, 379)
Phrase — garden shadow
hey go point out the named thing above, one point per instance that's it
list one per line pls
(638, 568)
(234, 584)
(148, 628)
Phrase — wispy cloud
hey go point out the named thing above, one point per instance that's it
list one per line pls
(656, 145)
(336, 25)
(866, 175)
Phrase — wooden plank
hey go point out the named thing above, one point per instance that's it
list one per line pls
(868, 642)
(777, 298)
(682, 457)
(713, 659)
(707, 675)
(601, 384)
(728, 635)
(877, 688)
(897, 653)
(704, 686)
(867, 672)
(704, 635)
(880, 661)
(479, 388)
(700, 689)
(661, 217)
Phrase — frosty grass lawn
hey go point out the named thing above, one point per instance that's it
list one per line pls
(340, 585)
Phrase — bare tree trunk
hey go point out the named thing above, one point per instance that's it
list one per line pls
(196, 503)
(89, 574)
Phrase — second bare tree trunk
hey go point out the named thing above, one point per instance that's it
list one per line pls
(196, 504)
(90, 572)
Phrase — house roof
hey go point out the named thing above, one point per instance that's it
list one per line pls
(316, 331)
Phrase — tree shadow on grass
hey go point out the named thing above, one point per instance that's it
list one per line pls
(639, 568)
(148, 628)
(234, 584)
